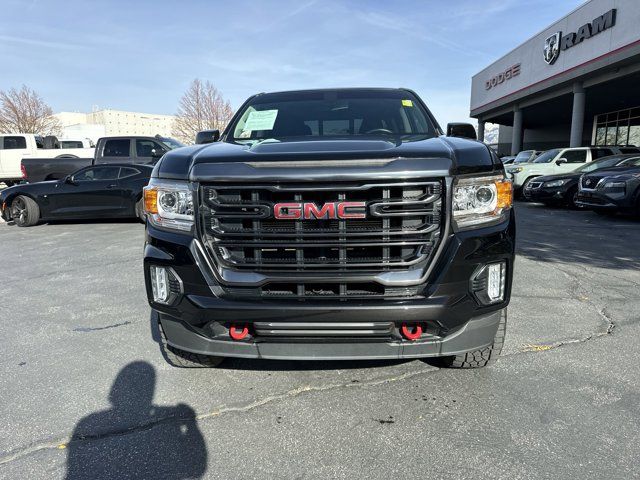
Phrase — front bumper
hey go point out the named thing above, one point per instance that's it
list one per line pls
(454, 320)
(598, 199)
(477, 333)
(545, 194)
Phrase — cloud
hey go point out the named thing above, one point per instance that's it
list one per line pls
(397, 24)
(471, 14)
(42, 43)
(286, 16)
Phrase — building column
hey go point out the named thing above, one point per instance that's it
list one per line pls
(481, 130)
(516, 136)
(577, 116)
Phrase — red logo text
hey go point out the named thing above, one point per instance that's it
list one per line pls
(328, 211)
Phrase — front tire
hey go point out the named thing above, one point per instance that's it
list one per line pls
(484, 356)
(182, 359)
(25, 211)
(572, 198)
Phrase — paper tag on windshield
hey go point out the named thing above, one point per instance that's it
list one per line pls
(261, 120)
(407, 103)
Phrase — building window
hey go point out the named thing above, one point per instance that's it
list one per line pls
(618, 128)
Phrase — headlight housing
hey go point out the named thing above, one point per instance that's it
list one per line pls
(169, 204)
(481, 201)
(515, 170)
(611, 184)
(555, 183)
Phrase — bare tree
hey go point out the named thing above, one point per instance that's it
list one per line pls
(202, 107)
(24, 111)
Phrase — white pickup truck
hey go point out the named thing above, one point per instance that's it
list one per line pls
(16, 146)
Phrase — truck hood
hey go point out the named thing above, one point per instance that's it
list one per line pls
(455, 155)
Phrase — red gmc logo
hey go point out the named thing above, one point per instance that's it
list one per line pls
(328, 211)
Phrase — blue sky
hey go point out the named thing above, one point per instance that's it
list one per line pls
(141, 56)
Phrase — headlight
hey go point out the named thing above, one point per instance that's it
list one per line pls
(613, 184)
(169, 204)
(480, 201)
(555, 183)
(516, 170)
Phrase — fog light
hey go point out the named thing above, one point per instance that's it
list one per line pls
(165, 284)
(489, 283)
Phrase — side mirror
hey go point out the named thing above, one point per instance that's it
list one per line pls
(155, 153)
(69, 179)
(560, 161)
(462, 130)
(207, 136)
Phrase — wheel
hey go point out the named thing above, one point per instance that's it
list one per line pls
(478, 358)
(140, 211)
(25, 211)
(179, 358)
(571, 198)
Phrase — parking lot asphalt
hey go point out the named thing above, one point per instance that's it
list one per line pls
(87, 394)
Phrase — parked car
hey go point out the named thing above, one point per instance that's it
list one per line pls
(331, 224)
(16, 146)
(526, 156)
(562, 189)
(612, 190)
(556, 161)
(129, 149)
(100, 191)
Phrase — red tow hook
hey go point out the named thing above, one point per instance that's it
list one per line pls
(237, 333)
(412, 332)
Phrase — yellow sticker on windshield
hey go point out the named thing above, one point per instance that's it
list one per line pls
(407, 103)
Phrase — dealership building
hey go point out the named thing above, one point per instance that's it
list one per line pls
(576, 83)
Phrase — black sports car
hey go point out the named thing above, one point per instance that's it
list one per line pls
(99, 191)
(562, 189)
(612, 190)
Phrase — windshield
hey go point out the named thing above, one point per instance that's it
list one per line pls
(630, 162)
(547, 156)
(599, 164)
(332, 113)
(523, 157)
(171, 142)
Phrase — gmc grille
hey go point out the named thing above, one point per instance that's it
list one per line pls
(401, 231)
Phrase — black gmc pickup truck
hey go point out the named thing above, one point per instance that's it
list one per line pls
(331, 224)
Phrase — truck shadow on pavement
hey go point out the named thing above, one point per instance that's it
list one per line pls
(135, 438)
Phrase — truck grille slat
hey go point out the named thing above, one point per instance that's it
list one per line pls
(323, 329)
(401, 230)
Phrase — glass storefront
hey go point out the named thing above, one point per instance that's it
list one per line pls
(618, 128)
